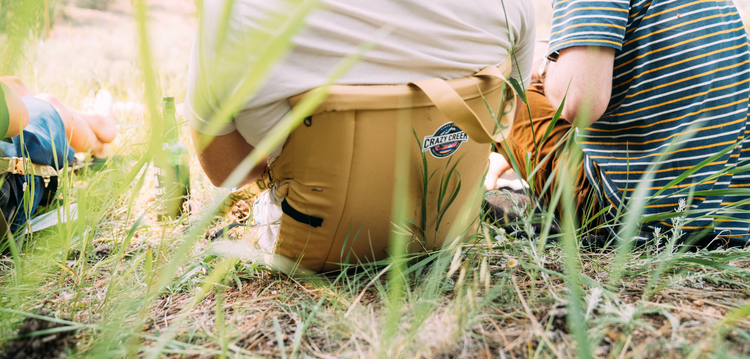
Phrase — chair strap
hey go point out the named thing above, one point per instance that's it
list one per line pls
(450, 103)
(247, 193)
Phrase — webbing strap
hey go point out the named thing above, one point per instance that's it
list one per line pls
(450, 103)
(298, 216)
(246, 193)
(22, 166)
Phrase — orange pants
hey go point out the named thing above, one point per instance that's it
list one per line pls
(523, 140)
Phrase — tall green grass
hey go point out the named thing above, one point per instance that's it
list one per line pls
(413, 306)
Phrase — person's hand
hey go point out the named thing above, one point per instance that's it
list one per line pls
(498, 166)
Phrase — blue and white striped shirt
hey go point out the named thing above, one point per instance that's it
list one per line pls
(681, 74)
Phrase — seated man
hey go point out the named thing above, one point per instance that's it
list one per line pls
(639, 75)
(32, 126)
(441, 39)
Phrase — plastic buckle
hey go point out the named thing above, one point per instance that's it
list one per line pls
(266, 179)
(16, 165)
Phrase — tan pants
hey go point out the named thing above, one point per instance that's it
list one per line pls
(522, 140)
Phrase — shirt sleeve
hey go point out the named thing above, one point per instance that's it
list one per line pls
(218, 68)
(204, 93)
(588, 23)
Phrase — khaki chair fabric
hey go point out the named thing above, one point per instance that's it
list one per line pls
(336, 172)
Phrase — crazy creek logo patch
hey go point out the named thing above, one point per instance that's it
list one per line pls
(445, 142)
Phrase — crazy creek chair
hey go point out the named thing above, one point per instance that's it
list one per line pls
(336, 172)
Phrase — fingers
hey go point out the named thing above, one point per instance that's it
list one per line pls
(498, 166)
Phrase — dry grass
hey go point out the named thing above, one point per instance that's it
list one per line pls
(473, 321)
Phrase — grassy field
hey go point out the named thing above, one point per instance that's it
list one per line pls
(118, 283)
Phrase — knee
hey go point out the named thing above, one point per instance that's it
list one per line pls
(49, 98)
(16, 85)
(55, 102)
(12, 80)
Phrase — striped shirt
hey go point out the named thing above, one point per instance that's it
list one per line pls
(679, 98)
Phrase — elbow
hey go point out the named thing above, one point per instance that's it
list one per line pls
(220, 156)
(215, 173)
(218, 173)
(582, 116)
(216, 179)
(584, 111)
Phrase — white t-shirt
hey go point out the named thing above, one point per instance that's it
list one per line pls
(448, 39)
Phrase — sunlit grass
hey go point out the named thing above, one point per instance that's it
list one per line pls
(134, 286)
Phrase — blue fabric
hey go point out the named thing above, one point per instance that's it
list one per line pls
(44, 132)
(681, 72)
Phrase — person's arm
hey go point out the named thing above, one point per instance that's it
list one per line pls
(584, 40)
(223, 154)
(14, 116)
(588, 70)
(217, 69)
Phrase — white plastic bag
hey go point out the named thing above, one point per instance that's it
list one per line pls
(267, 218)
